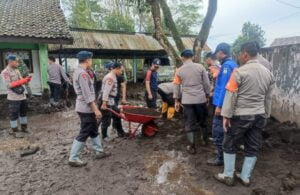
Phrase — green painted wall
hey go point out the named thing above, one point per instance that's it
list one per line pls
(18, 46)
(43, 58)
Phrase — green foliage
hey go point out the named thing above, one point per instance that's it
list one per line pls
(186, 15)
(130, 15)
(81, 16)
(117, 22)
(250, 32)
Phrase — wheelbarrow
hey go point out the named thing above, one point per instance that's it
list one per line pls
(145, 120)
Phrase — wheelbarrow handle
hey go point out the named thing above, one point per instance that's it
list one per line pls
(116, 113)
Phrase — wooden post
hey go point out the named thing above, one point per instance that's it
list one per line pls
(43, 59)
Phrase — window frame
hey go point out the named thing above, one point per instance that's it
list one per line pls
(3, 60)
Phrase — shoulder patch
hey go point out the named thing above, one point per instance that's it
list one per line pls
(5, 74)
(232, 85)
(110, 81)
(84, 76)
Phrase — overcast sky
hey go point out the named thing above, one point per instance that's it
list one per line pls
(276, 19)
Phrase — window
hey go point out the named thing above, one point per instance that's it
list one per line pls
(25, 56)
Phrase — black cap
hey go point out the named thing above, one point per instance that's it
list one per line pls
(188, 53)
(156, 61)
(224, 47)
(210, 55)
(108, 65)
(83, 55)
(11, 57)
(116, 65)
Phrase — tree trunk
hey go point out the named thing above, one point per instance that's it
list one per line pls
(204, 32)
(159, 33)
(171, 25)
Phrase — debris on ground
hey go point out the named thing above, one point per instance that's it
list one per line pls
(29, 150)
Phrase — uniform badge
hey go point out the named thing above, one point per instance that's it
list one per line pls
(84, 76)
(6, 75)
(225, 70)
(109, 81)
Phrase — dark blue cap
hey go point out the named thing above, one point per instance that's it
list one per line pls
(156, 61)
(188, 53)
(112, 65)
(11, 57)
(83, 55)
(116, 65)
(108, 65)
(224, 47)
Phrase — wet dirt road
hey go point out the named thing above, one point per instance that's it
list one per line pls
(158, 165)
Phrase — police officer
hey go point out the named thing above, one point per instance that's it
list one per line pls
(108, 100)
(246, 107)
(56, 74)
(15, 94)
(152, 84)
(214, 69)
(87, 110)
(223, 54)
(195, 89)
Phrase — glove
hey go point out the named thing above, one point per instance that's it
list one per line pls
(20, 82)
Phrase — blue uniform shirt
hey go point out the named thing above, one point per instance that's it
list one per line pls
(228, 65)
(152, 76)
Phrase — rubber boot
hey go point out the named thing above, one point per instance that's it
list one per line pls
(55, 104)
(204, 136)
(245, 175)
(97, 146)
(24, 128)
(227, 177)
(191, 148)
(171, 113)
(51, 101)
(218, 161)
(14, 129)
(74, 160)
(23, 121)
(164, 107)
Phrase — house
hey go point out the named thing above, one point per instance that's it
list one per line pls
(26, 29)
(284, 53)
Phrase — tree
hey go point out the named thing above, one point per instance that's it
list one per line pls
(204, 31)
(171, 25)
(250, 32)
(159, 34)
(186, 15)
(81, 16)
(117, 22)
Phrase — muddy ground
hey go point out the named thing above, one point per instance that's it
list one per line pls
(158, 165)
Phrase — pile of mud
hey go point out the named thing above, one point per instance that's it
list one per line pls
(142, 111)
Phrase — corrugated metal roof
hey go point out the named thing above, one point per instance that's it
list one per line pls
(103, 40)
(286, 41)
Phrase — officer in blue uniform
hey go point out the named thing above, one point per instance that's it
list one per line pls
(223, 54)
(152, 84)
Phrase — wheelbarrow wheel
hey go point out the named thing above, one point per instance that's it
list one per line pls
(149, 129)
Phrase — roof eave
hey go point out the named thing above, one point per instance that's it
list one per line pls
(18, 39)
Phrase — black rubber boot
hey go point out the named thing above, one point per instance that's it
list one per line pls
(24, 128)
